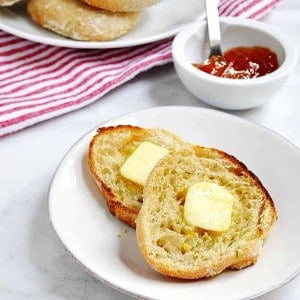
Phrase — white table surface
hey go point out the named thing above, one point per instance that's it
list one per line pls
(33, 262)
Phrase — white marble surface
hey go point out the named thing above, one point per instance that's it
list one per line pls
(33, 262)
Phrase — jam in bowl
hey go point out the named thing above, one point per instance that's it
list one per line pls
(241, 63)
(233, 89)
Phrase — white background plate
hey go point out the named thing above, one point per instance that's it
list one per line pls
(107, 248)
(158, 22)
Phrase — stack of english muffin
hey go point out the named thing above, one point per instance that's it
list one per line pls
(86, 20)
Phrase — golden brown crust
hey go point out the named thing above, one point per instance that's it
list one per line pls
(124, 213)
(111, 129)
(121, 5)
(79, 21)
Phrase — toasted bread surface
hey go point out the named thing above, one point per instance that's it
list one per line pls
(108, 151)
(174, 248)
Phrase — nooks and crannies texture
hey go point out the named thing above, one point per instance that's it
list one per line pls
(108, 151)
(172, 247)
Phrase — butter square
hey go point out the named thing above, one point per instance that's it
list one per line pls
(140, 163)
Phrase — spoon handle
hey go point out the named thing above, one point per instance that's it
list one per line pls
(213, 24)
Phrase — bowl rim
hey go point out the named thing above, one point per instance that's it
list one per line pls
(190, 30)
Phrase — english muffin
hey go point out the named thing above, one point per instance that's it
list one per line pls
(174, 247)
(108, 151)
(79, 21)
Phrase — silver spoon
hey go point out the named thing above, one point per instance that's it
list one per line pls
(213, 24)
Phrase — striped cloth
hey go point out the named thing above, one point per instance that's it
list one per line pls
(39, 82)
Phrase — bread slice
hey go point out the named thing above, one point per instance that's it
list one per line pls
(172, 247)
(108, 151)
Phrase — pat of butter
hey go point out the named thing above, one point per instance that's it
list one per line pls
(208, 206)
(140, 163)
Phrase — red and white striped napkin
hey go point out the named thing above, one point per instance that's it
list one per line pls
(39, 82)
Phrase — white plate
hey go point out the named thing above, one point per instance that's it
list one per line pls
(158, 22)
(107, 248)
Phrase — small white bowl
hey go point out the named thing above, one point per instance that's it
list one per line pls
(191, 46)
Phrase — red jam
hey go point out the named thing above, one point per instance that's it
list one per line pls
(241, 63)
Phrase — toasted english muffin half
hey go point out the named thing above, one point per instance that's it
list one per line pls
(108, 151)
(174, 248)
